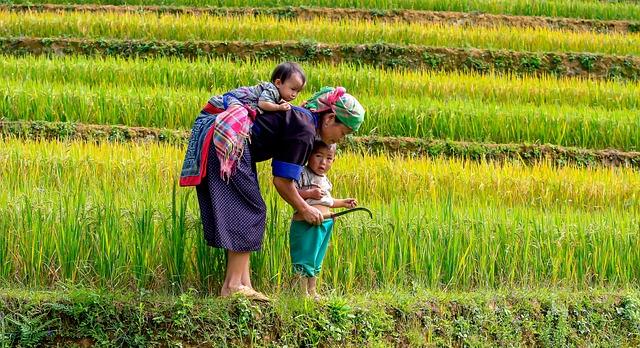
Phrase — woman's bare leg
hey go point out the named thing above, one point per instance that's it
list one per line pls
(246, 276)
(237, 264)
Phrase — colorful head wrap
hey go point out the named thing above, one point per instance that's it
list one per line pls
(346, 107)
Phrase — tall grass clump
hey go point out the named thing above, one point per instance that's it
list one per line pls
(448, 118)
(552, 8)
(188, 27)
(438, 223)
(222, 74)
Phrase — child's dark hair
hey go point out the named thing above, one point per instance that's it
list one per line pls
(285, 70)
(319, 144)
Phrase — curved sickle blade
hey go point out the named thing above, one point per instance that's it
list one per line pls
(335, 215)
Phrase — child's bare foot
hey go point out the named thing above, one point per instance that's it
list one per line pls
(316, 297)
(302, 283)
(311, 288)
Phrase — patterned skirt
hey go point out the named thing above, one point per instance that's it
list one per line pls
(233, 213)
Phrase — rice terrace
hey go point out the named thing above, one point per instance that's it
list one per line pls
(496, 144)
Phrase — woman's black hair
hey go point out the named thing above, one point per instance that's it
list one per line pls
(285, 70)
(323, 114)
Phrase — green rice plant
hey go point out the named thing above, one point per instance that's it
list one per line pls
(221, 74)
(421, 117)
(438, 223)
(175, 233)
(67, 247)
(189, 27)
(4, 252)
(107, 257)
(593, 9)
(144, 238)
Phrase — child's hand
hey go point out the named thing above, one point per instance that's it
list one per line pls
(315, 193)
(350, 202)
(285, 106)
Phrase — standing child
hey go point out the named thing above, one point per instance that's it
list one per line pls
(237, 109)
(308, 243)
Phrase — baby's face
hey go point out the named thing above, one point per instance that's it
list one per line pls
(321, 160)
(290, 88)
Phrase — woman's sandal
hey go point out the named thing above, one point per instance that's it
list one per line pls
(248, 293)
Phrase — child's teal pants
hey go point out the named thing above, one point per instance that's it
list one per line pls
(308, 245)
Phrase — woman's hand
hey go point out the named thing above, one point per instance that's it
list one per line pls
(312, 215)
(287, 190)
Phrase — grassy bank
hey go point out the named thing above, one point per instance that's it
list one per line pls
(525, 153)
(547, 318)
(587, 65)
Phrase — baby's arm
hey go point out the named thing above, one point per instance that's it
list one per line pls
(269, 106)
(270, 99)
(345, 203)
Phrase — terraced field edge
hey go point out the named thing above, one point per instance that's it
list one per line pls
(405, 146)
(384, 55)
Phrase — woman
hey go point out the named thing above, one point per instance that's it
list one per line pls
(234, 213)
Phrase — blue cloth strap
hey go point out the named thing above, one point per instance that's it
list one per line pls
(286, 170)
(225, 99)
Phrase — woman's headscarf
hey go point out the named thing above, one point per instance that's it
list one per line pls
(346, 107)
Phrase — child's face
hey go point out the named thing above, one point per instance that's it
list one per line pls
(290, 88)
(321, 160)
